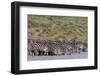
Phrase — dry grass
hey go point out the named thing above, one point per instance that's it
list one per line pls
(57, 27)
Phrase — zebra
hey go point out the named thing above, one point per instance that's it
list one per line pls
(43, 48)
(29, 47)
(85, 47)
(81, 46)
(58, 48)
(40, 48)
(50, 48)
(32, 48)
(69, 50)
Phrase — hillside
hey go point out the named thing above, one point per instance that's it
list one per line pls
(57, 27)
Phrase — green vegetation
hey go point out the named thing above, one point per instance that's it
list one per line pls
(57, 27)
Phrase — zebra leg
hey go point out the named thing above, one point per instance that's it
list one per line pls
(69, 52)
(84, 50)
(39, 53)
(29, 52)
(45, 52)
(79, 51)
(36, 53)
(32, 52)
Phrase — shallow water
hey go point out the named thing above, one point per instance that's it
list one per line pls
(82, 55)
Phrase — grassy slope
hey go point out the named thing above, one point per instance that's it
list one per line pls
(57, 27)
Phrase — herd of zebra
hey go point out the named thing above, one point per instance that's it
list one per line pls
(55, 48)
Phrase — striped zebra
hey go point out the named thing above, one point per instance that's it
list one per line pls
(43, 48)
(80, 47)
(37, 47)
(57, 48)
(49, 47)
(31, 48)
